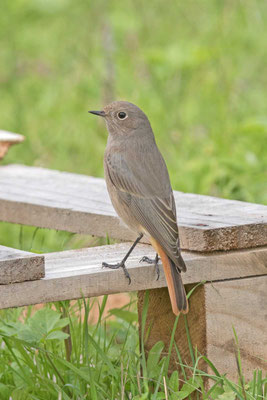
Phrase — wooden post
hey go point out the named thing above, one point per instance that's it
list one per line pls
(160, 322)
(215, 308)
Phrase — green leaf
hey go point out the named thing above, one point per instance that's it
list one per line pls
(44, 320)
(161, 396)
(189, 387)
(229, 395)
(29, 335)
(41, 324)
(153, 359)
(21, 380)
(5, 391)
(144, 396)
(174, 382)
(125, 315)
(57, 335)
(11, 328)
(62, 323)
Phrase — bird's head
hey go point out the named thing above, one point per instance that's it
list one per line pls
(124, 118)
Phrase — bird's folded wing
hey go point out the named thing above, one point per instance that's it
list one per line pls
(157, 214)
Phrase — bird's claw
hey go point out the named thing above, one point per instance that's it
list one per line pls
(147, 260)
(116, 266)
(154, 261)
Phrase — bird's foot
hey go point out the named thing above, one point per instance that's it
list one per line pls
(154, 261)
(147, 260)
(116, 266)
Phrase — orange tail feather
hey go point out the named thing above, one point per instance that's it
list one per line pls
(174, 281)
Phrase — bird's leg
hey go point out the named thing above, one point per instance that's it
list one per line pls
(122, 263)
(154, 261)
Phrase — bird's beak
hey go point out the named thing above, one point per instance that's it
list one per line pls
(99, 113)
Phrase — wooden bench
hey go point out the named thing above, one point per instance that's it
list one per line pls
(224, 242)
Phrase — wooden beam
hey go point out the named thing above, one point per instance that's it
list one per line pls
(19, 266)
(215, 308)
(78, 203)
(7, 139)
(77, 273)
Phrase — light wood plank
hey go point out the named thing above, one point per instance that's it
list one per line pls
(7, 139)
(19, 266)
(78, 203)
(72, 274)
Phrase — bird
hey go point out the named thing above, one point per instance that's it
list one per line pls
(139, 187)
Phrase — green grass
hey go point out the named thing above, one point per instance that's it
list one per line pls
(55, 353)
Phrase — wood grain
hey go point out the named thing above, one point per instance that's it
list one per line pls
(19, 266)
(7, 139)
(78, 203)
(76, 273)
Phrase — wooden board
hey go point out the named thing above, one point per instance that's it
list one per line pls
(19, 266)
(7, 139)
(76, 273)
(215, 308)
(78, 203)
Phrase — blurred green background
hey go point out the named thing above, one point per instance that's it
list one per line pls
(197, 68)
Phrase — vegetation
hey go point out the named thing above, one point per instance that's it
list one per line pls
(198, 69)
(56, 354)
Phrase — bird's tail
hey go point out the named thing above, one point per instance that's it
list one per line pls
(174, 281)
(179, 300)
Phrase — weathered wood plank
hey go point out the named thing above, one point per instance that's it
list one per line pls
(7, 139)
(19, 266)
(240, 304)
(215, 308)
(78, 203)
(72, 274)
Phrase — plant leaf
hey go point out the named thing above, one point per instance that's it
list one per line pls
(126, 315)
(153, 359)
(57, 335)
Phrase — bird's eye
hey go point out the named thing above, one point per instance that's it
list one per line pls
(122, 115)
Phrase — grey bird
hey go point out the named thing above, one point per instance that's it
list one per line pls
(139, 187)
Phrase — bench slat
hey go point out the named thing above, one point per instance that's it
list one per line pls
(76, 273)
(19, 266)
(80, 204)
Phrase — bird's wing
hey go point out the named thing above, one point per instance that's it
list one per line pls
(145, 188)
